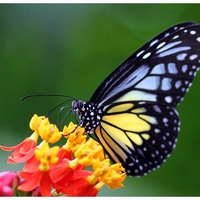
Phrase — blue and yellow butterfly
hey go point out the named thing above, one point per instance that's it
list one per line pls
(132, 113)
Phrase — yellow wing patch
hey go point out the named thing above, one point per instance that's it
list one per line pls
(150, 119)
(119, 136)
(105, 140)
(136, 95)
(126, 128)
(138, 110)
(145, 136)
(122, 127)
(135, 138)
(121, 107)
(127, 121)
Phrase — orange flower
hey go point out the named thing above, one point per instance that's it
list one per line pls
(63, 153)
(38, 174)
(23, 151)
(34, 179)
(80, 186)
(31, 165)
(61, 174)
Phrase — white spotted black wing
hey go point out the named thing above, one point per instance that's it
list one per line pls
(136, 121)
(160, 71)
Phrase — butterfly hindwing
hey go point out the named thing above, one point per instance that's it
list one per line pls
(139, 135)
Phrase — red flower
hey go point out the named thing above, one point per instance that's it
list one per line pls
(61, 174)
(80, 186)
(63, 153)
(35, 179)
(31, 164)
(22, 152)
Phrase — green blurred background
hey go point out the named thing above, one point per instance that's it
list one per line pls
(70, 49)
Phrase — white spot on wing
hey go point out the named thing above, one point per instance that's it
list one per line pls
(146, 55)
(186, 82)
(164, 48)
(166, 84)
(167, 34)
(181, 56)
(162, 146)
(184, 68)
(174, 50)
(160, 45)
(177, 84)
(198, 39)
(139, 53)
(183, 89)
(192, 32)
(168, 99)
(194, 67)
(141, 168)
(165, 120)
(156, 131)
(172, 68)
(153, 42)
(158, 69)
(176, 36)
(150, 83)
(157, 109)
(192, 57)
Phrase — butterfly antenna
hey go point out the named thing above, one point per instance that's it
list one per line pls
(54, 95)
(58, 107)
(65, 117)
(46, 95)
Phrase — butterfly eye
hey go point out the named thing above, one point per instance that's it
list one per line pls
(78, 105)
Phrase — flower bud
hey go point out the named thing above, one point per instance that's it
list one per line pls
(8, 181)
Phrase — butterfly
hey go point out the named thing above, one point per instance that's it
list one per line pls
(132, 113)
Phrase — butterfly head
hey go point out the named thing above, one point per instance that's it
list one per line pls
(88, 114)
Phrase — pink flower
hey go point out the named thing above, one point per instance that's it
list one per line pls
(8, 181)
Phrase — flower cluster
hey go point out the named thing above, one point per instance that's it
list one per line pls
(61, 170)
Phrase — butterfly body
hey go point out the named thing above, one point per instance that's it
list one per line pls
(132, 113)
(88, 113)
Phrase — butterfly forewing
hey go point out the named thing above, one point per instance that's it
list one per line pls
(113, 77)
(163, 72)
(132, 112)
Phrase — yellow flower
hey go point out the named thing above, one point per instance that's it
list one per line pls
(67, 130)
(114, 176)
(36, 122)
(84, 155)
(50, 133)
(46, 155)
(75, 137)
(98, 150)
